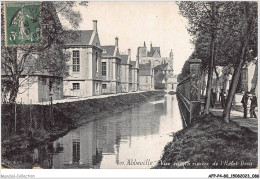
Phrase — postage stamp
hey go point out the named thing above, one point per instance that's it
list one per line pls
(22, 23)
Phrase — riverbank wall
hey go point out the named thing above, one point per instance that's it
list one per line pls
(32, 125)
(210, 143)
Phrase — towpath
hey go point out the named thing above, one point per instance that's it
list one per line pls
(236, 115)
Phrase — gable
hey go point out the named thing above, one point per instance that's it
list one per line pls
(156, 54)
(95, 40)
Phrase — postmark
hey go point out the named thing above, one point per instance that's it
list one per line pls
(22, 23)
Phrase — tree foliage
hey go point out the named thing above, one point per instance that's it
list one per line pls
(224, 34)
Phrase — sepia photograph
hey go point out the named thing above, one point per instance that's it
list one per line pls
(129, 85)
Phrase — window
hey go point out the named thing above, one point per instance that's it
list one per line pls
(146, 79)
(104, 68)
(50, 85)
(76, 150)
(104, 51)
(244, 74)
(75, 86)
(75, 61)
(104, 86)
(96, 62)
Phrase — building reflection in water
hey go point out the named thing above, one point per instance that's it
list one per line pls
(139, 133)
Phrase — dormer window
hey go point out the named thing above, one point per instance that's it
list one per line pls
(104, 51)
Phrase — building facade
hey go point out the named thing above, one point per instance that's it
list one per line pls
(146, 75)
(37, 87)
(153, 56)
(135, 75)
(111, 69)
(126, 72)
(85, 76)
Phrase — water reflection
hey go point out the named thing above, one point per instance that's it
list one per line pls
(134, 138)
(126, 140)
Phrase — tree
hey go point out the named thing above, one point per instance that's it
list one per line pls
(246, 30)
(18, 61)
(230, 39)
(203, 18)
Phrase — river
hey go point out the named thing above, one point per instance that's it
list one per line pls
(134, 138)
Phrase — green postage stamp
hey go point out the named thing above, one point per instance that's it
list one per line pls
(22, 23)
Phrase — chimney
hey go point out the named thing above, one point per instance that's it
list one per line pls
(129, 52)
(171, 53)
(151, 46)
(144, 44)
(129, 55)
(95, 26)
(116, 42)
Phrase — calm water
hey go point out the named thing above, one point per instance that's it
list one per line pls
(132, 139)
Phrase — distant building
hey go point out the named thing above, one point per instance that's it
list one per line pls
(110, 69)
(146, 75)
(153, 56)
(249, 76)
(85, 64)
(164, 77)
(126, 72)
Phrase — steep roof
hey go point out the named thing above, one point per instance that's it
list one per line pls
(153, 50)
(145, 69)
(108, 51)
(165, 67)
(77, 37)
(124, 59)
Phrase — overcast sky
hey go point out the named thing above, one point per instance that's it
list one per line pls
(136, 22)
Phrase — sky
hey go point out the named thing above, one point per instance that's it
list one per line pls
(136, 22)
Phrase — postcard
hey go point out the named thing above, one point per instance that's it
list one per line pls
(129, 85)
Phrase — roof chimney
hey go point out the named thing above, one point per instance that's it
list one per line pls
(144, 44)
(116, 42)
(129, 52)
(171, 53)
(151, 46)
(129, 55)
(95, 25)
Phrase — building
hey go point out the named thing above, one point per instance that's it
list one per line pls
(164, 77)
(36, 87)
(85, 64)
(249, 76)
(146, 75)
(153, 56)
(110, 69)
(135, 75)
(126, 72)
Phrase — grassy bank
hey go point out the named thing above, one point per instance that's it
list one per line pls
(38, 124)
(211, 143)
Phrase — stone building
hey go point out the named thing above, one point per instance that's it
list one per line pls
(164, 77)
(110, 71)
(135, 75)
(249, 76)
(153, 56)
(85, 64)
(126, 72)
(36, 87)
(146, 75)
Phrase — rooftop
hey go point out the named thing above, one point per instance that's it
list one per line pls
(77, 37)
